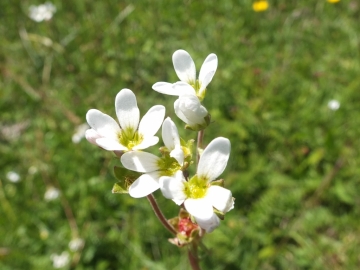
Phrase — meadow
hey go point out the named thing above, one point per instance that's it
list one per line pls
(286, 94)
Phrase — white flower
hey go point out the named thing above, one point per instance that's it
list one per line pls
(61, 260)
(51, 194)
(42, 12)
(76, 244)
(13, 176)
(130, 135)
(333, 105)
(198, 195)
(152, 166)
(189, 109)
(186, 71)
(80, 133)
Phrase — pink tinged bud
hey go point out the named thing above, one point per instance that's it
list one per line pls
(91, 135)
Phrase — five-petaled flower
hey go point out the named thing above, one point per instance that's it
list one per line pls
(153, 166)
(130, 135)
(186, 71)
(199, 194)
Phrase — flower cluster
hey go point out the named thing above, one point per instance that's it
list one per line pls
(202, 198)
(43, 12)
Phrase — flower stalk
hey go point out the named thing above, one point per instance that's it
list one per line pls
(159, 214)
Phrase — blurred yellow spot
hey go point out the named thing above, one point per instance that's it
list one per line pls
(260, 6)
(333, 1)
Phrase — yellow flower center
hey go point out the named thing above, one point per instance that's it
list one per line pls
(129, 138)
(196, 188)
(168, 166)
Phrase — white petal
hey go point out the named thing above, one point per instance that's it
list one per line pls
(180, 114)
(208, 224)
(189, 109)
(199, 208)
(127, 111)
(144, 185)
(178, 154)
(184, 66)
(147, 142)
(173, 187)
(140, 161)
(207, 71)
(214, 159)
(110, 144)
(183, 88)
(151, 121)
(165, 88)
(91, 135)
(170, 134)
(103, 124)
(221, 198)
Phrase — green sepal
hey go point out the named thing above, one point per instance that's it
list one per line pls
(118, 189)
(219, 182)
(125, 177)
(220, 214)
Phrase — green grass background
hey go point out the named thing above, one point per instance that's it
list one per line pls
(295, 164)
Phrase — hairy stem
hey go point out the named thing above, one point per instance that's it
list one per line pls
(159, 214)
(199, 145)
(193, 256)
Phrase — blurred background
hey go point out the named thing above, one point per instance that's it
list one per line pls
(286, 94)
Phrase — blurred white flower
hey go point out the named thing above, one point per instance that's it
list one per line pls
(42, 12)
(61, 260)
(76, 244)
(80, 133)
(333, 105)
(32, 170)
(51, 194)
(13, 176)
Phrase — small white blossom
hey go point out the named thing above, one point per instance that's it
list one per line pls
(51, 194)
(152, 166)
(199, 196)
(42, 12)
(189, 109)
(80, 133)
(76, 244)
(186, 71)
(333, 105)
(60, 261)
(131, 134)
(13, 176)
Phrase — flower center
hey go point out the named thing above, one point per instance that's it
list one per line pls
(196, 85)
(196, 188)
(168, 166)
(130, 138)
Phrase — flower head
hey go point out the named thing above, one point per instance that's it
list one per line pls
(333, 105)
(130, 135)
(199, 194)
(42, 12)
(152, 166)
(259, 6)
(333, 1)
(79, 133)
(60, 261)
(186, 71)
(13, 176)
(51, 193)
(189, 109)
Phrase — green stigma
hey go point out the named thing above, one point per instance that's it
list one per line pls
(196, 188)
(130, 138)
